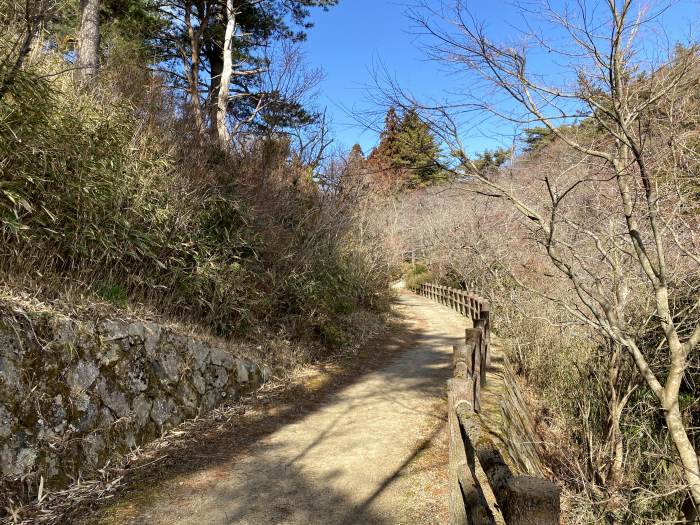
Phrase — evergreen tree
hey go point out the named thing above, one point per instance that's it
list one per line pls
(537, 138)
(408, 150)
(356, 155)
(418, 151)
(198, 27)
(388, 148)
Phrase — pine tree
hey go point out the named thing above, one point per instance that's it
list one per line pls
(388, 148)
(418, 151)
(356, 156)
(408, 150)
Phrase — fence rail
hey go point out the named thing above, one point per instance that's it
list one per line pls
(473, 357)
(483, 489)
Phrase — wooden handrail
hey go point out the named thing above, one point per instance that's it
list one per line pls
(476, 356)
(483, 490)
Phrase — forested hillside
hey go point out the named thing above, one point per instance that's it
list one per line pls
(120, 185)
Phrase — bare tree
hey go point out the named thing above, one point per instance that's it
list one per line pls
(616, 222)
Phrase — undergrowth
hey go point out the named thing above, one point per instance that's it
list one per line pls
(111, 194)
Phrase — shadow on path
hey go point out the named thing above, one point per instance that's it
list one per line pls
(215, 451)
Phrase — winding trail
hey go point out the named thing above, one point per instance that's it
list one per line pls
(373, 452)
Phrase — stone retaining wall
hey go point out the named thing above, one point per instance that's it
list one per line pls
(74, 394)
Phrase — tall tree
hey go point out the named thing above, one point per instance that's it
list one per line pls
(220, 53)
(225, 77)
(408, 150)
(418, 151)
(388, 147)
(88, 39)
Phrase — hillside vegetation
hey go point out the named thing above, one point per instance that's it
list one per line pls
(167, 160)
(110, 193)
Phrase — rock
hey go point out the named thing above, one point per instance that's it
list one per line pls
(113, 330)
(210, 400)
(198, 382)
(162, 410)
(58, 414)
(218, 378)
(9, 346)
(93, 445)
(187, 396)
(81, 401)
(222, 358)
(87, 420)
(9, 375)
(242, 371)
(82, 376)
(65, 333)
(167, 367)
(200, 352)
(109, 354)
(141, 408)
(134, 374)
(7, 421)
(129, 440)
(137, 333)
(7, 460)
(152, 338)
(25, 460)
(175, 419)
(86, 337)
(105, 419)
(113, 398)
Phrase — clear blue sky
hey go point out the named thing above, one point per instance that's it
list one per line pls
(353, 37)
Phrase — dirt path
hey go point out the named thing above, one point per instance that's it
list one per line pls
(373, 452)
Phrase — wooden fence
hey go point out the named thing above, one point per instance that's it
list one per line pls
(472, 358)
(483, 489)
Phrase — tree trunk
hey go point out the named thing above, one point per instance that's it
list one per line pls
(214, 56)
(225, 78)
(88, 40)
(27, 40)
(616, 404)
(686, 452)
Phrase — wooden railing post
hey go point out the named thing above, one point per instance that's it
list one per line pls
(473, 339)
(482, 324)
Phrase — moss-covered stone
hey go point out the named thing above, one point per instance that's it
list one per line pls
(75, 394)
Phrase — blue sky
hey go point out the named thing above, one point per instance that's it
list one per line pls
(354, 37)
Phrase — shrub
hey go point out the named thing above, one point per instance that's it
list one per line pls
(416, 274)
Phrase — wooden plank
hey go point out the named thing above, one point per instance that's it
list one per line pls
(531, 500)
(462, 361)
(481, 325)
